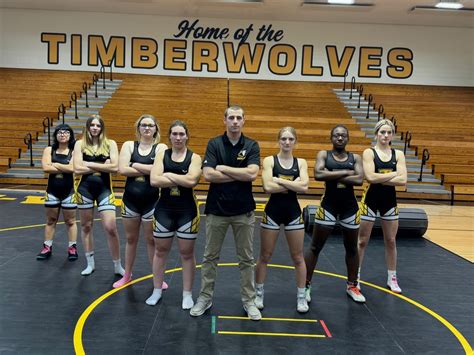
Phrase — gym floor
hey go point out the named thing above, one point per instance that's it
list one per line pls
(47, 307)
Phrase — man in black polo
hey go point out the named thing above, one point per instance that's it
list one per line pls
(231, 163)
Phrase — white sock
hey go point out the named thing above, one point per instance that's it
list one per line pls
(300, 292)
(72, 243)
(391, 273)
(118, 269)
(90, 264)
(259, 289)
(49, 243)
(154, 298)
(188, 302)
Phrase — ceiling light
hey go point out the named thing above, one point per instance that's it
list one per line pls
(341, 2)
(449, 5)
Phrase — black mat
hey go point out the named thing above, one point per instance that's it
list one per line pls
(41, 302)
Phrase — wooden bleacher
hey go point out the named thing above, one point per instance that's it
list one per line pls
(312, 108)
(440, 120)
(26, 98)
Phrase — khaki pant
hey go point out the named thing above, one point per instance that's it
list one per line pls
(216, 228)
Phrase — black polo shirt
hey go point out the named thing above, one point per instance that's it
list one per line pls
(235, 197)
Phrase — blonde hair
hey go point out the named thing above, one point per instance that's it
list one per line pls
(156, 136)
(384, 122)
(287, 129)
(88, 143)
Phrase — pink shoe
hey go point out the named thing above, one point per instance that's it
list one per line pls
(164, 286)
(123, 281)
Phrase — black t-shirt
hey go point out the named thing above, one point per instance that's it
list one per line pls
(235, 197)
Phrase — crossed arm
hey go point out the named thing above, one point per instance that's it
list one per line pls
(394, 178)
(160, 179)
(82, 167)
(135, 169)
(273, 184)
(54, 168)
(346, 176)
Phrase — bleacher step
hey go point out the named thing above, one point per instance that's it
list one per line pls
(427, 189)
(23, 174)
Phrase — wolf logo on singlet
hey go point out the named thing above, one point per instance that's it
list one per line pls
(177, 209)
(378, 197)
(139, 197)
(283, 208)
(338, 200)
(60, 189)
(95, 187)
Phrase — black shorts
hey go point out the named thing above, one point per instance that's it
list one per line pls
(67, 201)
(374, 200)
(347, 212)
(139, 206)
(94, 190)
(185, 223)
(290, 216)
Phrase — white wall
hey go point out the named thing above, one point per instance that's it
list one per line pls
(441, 56)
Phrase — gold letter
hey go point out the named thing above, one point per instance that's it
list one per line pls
(401, 65)
(290, 62)
(308, 68)
(234, 61)
(205, 53)
(53, 40)
(174, 50)
(144, 53)
(367, 61)
(114, 51)
(336, 66)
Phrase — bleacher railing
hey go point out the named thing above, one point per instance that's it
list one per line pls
(407, 137)
(85, 87)
(345, 76)
(74, 99)
(47, 123)
(369, 103)
(424, 159)
(353, 86)
(361, 91)
(28, 139)
(61, 112)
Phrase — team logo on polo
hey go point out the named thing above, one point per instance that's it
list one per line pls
(242, 154)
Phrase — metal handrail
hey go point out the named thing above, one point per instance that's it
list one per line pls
(407, 141)
(345, 76)
(361, 91)
(102, 76)
(452, 195)
(61, 111)
(395, 123)
(85, 88)
(380, 111)
(95, 80)
(74, 99)
(110, 66)
(424, 159)
(28, 139)
(353, 86)
(368, 105)
(47, 124)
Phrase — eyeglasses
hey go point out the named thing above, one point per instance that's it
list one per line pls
(64, 132)
(147, 125)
